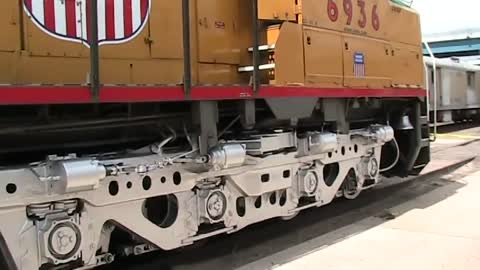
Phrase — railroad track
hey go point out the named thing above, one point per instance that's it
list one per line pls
(448, 127)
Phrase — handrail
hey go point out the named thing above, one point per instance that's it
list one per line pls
(427, 86)
(94, 51)
(187, 61)
(435, 89)
(255, 52)
(407, 3)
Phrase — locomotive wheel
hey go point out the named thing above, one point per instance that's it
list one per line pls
(351, 188)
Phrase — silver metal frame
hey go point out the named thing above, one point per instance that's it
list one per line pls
(268, 180)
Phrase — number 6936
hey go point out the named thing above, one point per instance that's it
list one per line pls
(348, 9)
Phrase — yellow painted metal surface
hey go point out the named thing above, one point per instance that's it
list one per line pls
(380, 19)
(272, 34)
(217, 28)
(165, 38)
(10, 24)
(288, 54)
(323, 57)
(407, 65)
(277, 10)
(378, 67)
(322, 43)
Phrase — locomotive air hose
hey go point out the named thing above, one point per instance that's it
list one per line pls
(397, 148)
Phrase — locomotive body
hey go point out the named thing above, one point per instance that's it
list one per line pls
(47, 42)
(168, 122)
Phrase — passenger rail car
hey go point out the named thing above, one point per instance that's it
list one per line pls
(457, 87)
(134, 125)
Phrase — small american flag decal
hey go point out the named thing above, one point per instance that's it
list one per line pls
(359, 65)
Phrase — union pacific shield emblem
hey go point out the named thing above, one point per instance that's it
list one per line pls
(119, 21)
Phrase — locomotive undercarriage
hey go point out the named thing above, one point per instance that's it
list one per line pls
(68, 210)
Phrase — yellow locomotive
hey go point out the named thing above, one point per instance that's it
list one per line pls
(135, 125)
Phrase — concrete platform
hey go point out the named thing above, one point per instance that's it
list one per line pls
(445, 235)
(437, 230)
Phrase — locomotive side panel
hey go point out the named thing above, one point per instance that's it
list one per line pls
(10, 22)
(221, 37)
(365, 63)
(218, 74)
(165, 39)
(376, 52)
(376, 19)
(9, 39)
(323, 66)
(347, 16)
(50, 57)
(289, 52)
(148, 44)
(218, 32)
(285, 10)
(407, 65)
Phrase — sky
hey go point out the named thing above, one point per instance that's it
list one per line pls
(439, 16)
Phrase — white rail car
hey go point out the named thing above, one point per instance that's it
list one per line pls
(458, 89)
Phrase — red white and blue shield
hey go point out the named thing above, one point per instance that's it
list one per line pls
(119, 21)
